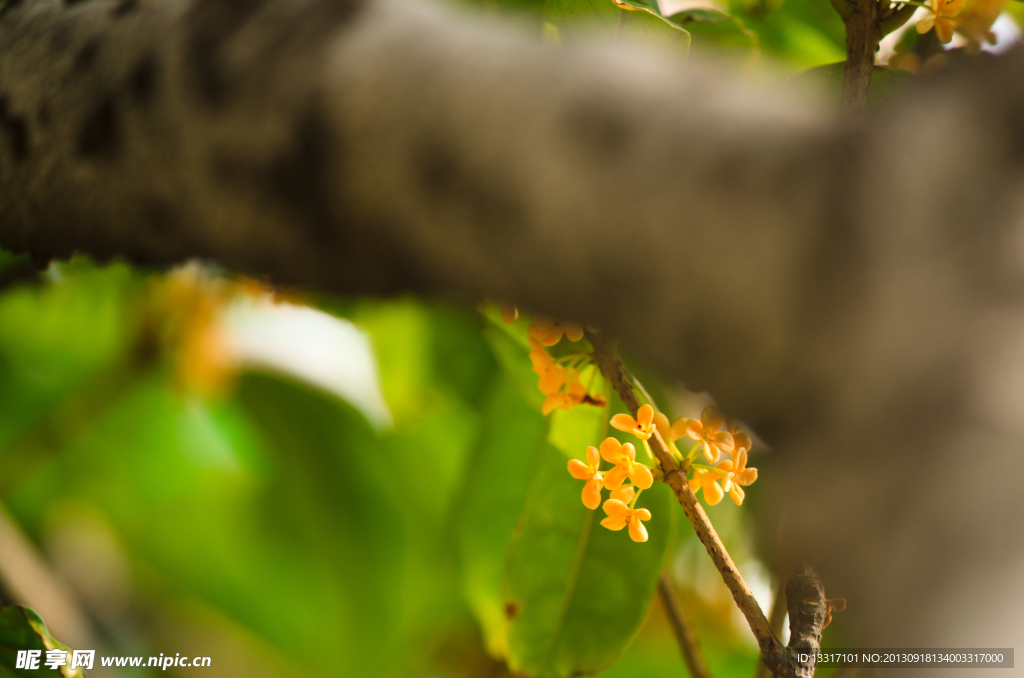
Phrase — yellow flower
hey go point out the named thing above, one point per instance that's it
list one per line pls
(736, 474)
(706, 431)
(670, 433)
(620, 515)
(575, 394)
(941, 12)
(625, 494)
(707, 480)
(552, 375)
(740, 438)
(642, 427)
(591, 473)
(509, 313)
(548, 332)
(623, 456)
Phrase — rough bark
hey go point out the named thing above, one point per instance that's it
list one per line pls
(856, 293)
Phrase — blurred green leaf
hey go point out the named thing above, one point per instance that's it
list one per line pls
(575, 593)
(23, 629)
(496, 489)
(625, 17)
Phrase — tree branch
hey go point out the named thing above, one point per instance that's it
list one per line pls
(687, 640)
(863, 33)
(606, 359)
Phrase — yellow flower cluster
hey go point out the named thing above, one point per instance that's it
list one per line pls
(714, 437)
(939, 19)
(559, 379)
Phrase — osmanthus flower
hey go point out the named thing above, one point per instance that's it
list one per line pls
(623, 456)
(670, 432)
(625, 494)
(707, 480)
(592, 474)
(941, 13)
(736, 474)
(574, 394)
(741, 439)
(549, 332)
(642, 427)
(707, 432)
(620, 515)
(552, 375)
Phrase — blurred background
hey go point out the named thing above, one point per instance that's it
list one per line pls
(294, 484)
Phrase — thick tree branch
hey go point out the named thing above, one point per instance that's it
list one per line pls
(863, 33)
(822, 280)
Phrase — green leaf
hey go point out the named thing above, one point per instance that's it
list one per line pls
(626, 17)
(513, 357)
(574, 592)
(572, 430)
(896, 19)
(496, 489)
(23, 629)
(826, 82)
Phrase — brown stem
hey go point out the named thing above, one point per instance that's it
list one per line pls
(776, 618)
(688, 644)
(608, 362)
(863, 33)
(804, 594)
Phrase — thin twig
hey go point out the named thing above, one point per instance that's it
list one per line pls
(776, 618)
(688, 643)
(611, 367)
(805, 594)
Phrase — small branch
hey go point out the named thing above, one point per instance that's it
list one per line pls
(776, 618)
(863, 33)
(805, 600)
(611, 367)
(688, 644)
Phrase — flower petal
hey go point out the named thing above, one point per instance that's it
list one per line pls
(747, 476)
(623, 422)
(552, 403)
(592, 494)
(741, 460)
(611, 450)
(642, 513)
(593, 458)
(579, 470)
(723, 440)
(694, 429)
(737, 494)
(628, 451)
(664, 428)
(711, 418)
(624, 494)
(641, 476)
(614, 524)
(614, 478)
(679, 428)
(710, 452)
(925, 24)
(637, 531)
(573, 332)
(943, 30)
(614, 507)
(644, 416)
(713, 493)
